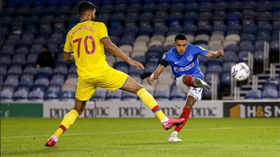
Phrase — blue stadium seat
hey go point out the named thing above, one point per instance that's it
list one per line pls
(263, 35)
(128, 96)
(134, 70)
(153, 56)
(148, 7)
(205, 16)
(259, 45)
(190, 16)
(219, 26)
(249, 14)
(5, 60)
(146, 16)
(234, 6)
(249, 27)
(205, 6)
(177, 7)
(204, 26)
(8, 49)
(57, 81)
(192, 6)
(42, 82)
(7, 11)
(274, 45)
(6, 94)
(39, 41)
(114, 94)
(259, 57)
(20, 94)
(134, 7)
(31, 29)
(6, 20)
(99, 95)
(150, 67)
(160, 16)
(248, 37)
(226, 78)
(15, 70)
(63, 10)
(26, 82)
(247, 46)
(74, 18)
(115, 39)
(45, 70)
(106, 8)
(30, 70)
(18, 20)
(270, 93)
(117, 17)
(120, 8)
(3, 70)
(219, 15)
(162, 95)
(11, 82)
(23, 10)
(214, 69)
(254, 94)
(264, 5)
(132, 17)
(34, 95)
(176, 94)
(67, 95)
(52, 95)
(264, 16)
(59, 28)
(243, 56)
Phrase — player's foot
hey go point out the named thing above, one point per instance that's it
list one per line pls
(51, 142)
(200, 83)
(173, 139)
(172, 122)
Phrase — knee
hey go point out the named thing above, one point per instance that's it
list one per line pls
(189, 105)
(137, 88)
(184, 79)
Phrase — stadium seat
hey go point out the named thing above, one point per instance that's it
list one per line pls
(226, 78)
(254, 94)
(247, 46)
(99, 95)
(6, 94)
(15, 70)
(176, 95)
(270, 93)
(20, 94)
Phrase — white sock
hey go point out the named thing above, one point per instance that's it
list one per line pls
(174, 134)
(55, 138)
(164, 120)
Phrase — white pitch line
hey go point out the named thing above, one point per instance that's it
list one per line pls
(122, 132)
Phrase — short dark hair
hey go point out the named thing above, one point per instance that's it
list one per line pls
(45, 46)
(180, 37)
(85, 6)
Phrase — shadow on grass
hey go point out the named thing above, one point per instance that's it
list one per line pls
(46, 151)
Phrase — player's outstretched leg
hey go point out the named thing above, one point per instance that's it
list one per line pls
(195, 82)
(149, 101)
(185, 114)
(67, 121)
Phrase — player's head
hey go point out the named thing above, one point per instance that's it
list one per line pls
(86, 10)
(45, 48)
(180, 43)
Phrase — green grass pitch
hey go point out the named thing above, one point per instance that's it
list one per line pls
(137, 137)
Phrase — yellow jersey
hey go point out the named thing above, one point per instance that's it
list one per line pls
(84, 41)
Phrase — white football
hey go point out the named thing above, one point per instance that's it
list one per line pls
(240, 71)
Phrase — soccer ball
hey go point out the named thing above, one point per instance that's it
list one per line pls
(240, 71)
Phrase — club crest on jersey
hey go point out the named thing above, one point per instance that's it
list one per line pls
(190, 58)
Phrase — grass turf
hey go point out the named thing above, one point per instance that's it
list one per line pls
(133, 137)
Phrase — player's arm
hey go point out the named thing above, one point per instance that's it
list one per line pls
(217, 54)
(112, 48)
(157, 72)
(68, 56)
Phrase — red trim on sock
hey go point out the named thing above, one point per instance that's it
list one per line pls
(185, 114)
(189, 81)
(155, 108)
(63, 127)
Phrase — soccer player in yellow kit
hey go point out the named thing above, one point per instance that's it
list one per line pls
(85, 44)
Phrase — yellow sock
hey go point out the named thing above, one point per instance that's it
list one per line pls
(149, 101)
(67, 121)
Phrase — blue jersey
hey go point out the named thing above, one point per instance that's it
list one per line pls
(187, 63)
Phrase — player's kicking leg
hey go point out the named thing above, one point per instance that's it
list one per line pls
(185, 114)
(195, 82)
(67, 121)
(148, 100)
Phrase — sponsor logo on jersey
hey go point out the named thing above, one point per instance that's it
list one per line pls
(176, 69)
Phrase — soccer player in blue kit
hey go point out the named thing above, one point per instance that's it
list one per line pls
(184, 62)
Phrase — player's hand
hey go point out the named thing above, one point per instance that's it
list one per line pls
(220, 53)
(136, 63)
(150, 80)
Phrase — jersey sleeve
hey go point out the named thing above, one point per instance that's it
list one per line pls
(68, 46)
(201, 51)
(103, 31)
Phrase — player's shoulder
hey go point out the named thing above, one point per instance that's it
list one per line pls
(99, 24)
